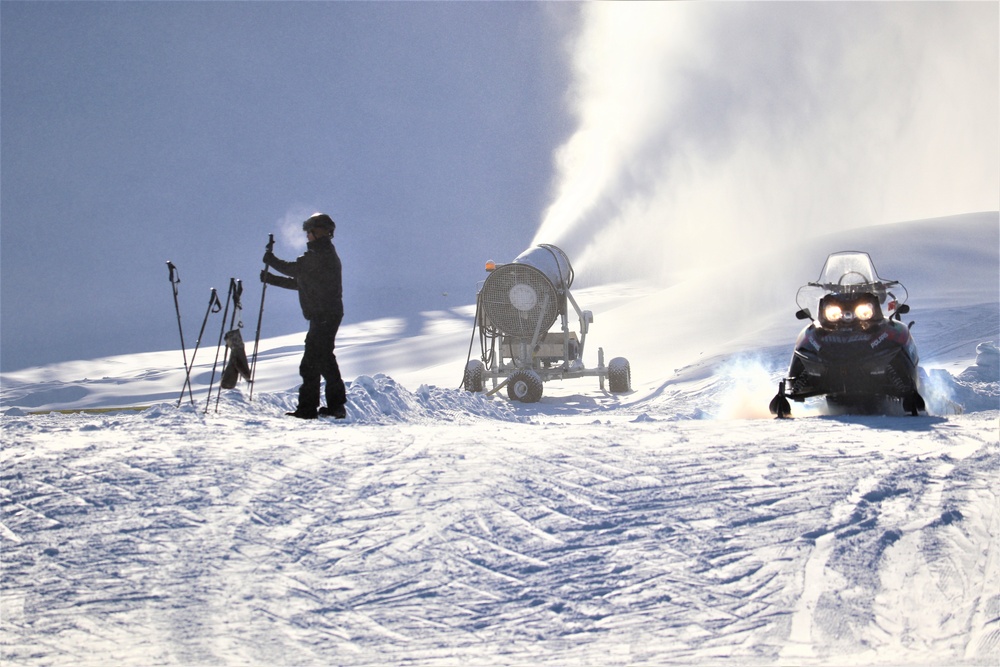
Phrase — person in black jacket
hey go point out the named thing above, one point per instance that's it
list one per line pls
(316, 275)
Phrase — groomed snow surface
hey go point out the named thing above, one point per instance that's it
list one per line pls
(675, 524)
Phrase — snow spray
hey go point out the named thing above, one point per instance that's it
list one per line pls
(707, 129)
(747, 385)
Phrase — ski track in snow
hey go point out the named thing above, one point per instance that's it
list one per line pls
(620, 541)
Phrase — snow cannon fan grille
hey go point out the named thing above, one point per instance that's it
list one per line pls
(519, 300)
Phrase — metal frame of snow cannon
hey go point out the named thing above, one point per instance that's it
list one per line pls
(515, 308)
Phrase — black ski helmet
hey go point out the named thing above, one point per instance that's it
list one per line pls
(319, 221)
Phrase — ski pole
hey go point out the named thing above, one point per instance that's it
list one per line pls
(260, 316)
(222, 331)
(237, 289)
(214, 306)
(175, 279)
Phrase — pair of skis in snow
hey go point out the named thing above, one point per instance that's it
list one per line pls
(234, 359)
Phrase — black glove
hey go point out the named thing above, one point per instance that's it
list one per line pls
(268, 257)
(264, 273)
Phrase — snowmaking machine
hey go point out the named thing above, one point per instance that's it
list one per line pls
(516, 306)
(857, 351)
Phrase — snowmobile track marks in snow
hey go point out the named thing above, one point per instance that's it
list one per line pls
(679, 543)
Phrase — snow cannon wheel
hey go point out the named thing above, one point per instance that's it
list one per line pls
(619, 376)
(524, 386)
(475, 371)
(779, 406)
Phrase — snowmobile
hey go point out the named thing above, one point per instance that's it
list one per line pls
(857, 351)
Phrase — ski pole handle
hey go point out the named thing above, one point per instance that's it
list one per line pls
(268, 253)
(237, 305)
(174, 273)
(236, 290)
(214, 305)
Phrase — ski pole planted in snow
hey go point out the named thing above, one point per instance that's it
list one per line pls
(214, 306)
(236, 289)
(175, 279)
(260, 317)
(222, 332)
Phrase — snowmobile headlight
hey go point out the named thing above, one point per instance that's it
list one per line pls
(864, 311)
(833, 313)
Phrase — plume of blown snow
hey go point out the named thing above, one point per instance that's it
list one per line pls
(747, 388)
(707, 128)
(748, 383)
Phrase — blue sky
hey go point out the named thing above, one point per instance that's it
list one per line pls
(643, 138)
(136, 133)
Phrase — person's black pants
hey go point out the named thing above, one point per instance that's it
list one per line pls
(318, 361)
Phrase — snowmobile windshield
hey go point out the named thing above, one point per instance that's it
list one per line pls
(850, 273)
